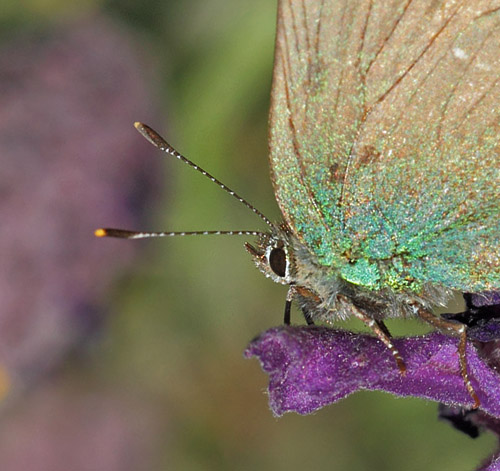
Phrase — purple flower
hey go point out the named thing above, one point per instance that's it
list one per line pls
(310, 367)
(71, 163)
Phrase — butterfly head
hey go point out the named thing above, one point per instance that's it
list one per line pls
(273, 256)
(281, 257)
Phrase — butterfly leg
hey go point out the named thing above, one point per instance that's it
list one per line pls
(307, 317)
(459, 330)
(384, 328)
(380, 330)
(292, 292)
(288, 305)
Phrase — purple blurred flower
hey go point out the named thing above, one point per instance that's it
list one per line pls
(311, 367)
(80, 427)
(71, 162)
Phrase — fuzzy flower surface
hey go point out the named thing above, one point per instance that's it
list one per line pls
(310, 367)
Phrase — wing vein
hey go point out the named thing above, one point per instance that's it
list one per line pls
(398, 80)
(351, 156)
(453, 90)
(388, 37)
(296, 147)
(479, 100)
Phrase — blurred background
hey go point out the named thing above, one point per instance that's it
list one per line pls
(128, 355)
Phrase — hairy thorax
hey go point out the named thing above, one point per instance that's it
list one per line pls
(323, 293)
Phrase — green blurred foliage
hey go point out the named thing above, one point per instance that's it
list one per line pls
(182, 318)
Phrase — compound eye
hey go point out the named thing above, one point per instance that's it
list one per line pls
(277, 261)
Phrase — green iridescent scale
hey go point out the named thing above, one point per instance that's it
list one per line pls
(385, 139)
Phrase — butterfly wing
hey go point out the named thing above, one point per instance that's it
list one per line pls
(385, 137)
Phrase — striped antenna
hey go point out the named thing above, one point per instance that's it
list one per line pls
(155, 139)
(123, 234)
(158, 141)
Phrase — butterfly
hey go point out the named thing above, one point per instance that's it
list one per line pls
(384, 144)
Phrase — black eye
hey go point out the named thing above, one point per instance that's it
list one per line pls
(277, 261)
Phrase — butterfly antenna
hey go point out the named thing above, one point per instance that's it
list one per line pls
(123, 234)
(158, 141)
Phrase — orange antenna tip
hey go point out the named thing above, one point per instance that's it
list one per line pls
(100, 233)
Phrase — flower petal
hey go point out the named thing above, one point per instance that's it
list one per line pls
(310, 367)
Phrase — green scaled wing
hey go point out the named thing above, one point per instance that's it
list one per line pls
(385, 138)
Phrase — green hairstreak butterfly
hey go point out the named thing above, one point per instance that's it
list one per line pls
(384, 144)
